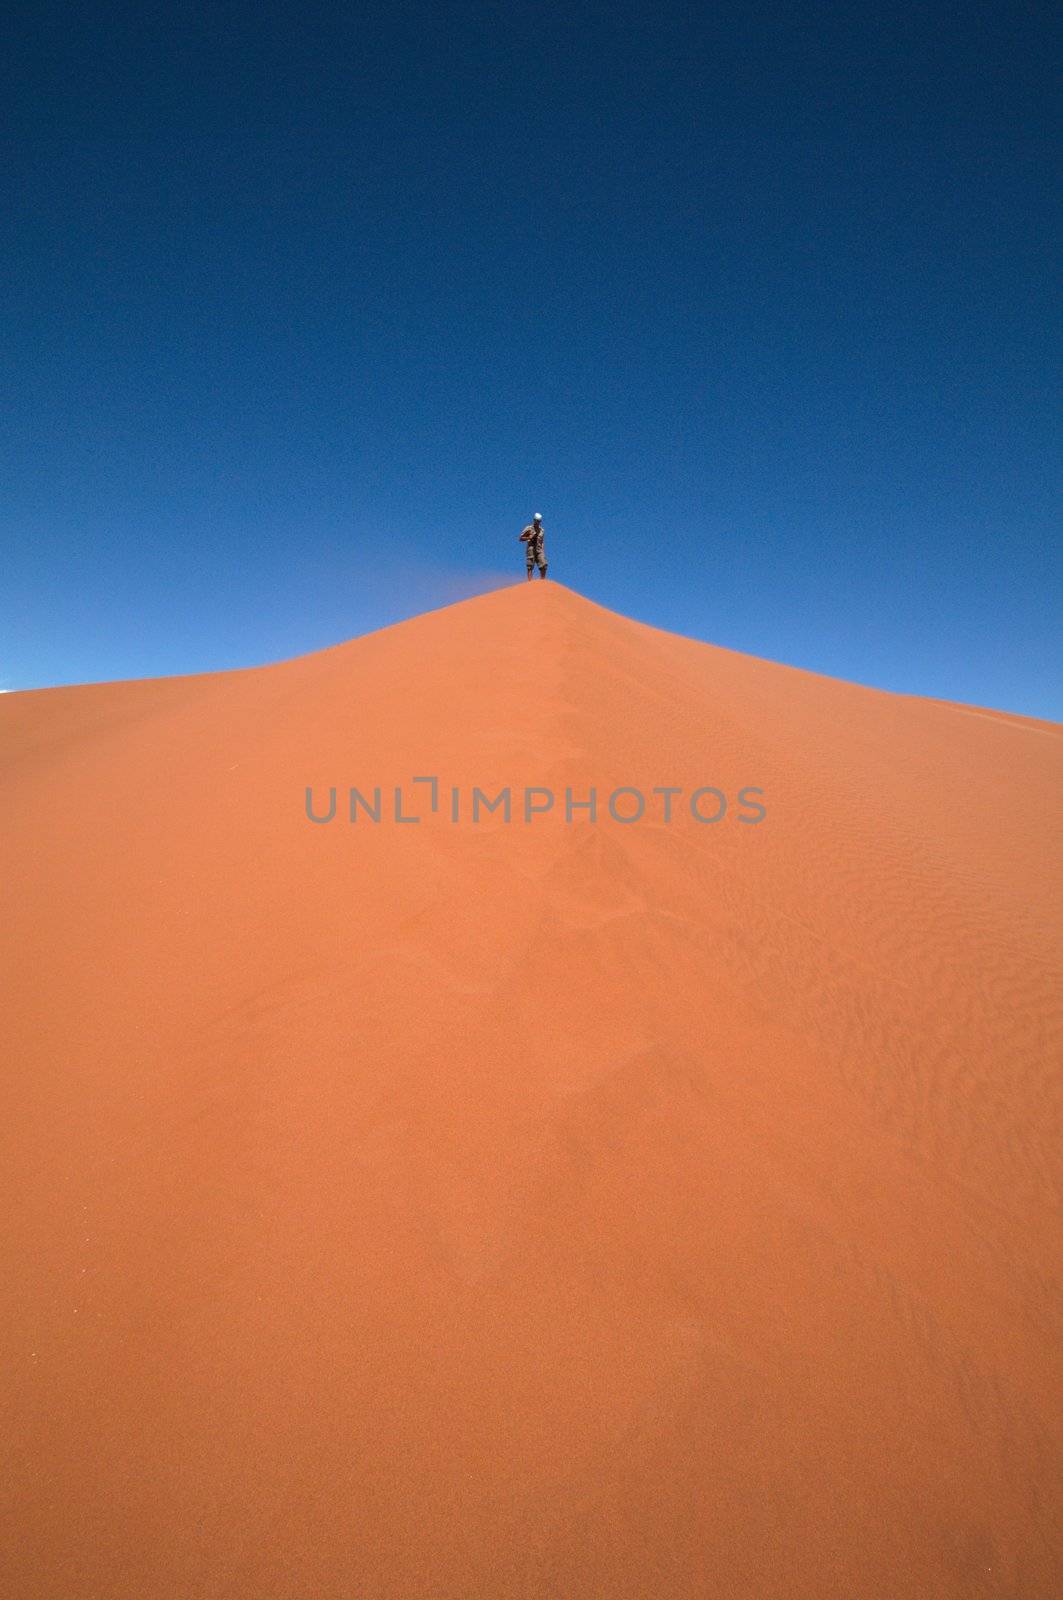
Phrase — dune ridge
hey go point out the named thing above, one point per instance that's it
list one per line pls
(514, 1210)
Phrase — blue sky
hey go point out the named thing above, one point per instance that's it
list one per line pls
(307, 308)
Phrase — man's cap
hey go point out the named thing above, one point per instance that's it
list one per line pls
(538, 517)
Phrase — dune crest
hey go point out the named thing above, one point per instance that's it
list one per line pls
(510, 1209)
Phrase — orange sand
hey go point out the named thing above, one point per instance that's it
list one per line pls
(531, 1210)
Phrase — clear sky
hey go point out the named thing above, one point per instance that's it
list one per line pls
(307, 308)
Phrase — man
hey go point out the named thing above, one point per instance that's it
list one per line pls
(532, 539)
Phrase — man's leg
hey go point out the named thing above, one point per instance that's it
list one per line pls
(531, 565)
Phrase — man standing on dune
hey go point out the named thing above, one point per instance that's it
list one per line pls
(532, 539)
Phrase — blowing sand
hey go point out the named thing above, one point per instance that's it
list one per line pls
(521, 1210)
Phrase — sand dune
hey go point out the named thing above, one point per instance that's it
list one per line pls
(522, 1209)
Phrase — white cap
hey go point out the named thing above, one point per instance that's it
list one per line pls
(538, 517)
